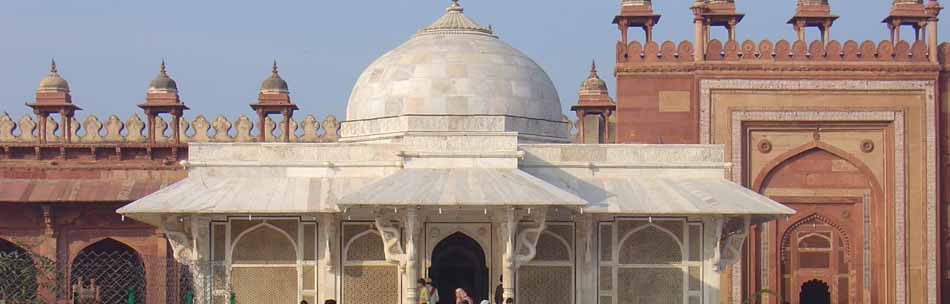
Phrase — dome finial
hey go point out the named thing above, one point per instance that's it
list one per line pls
(52, 66)
(161, 68)
(274, 67)
(593, 68)
(454, 7)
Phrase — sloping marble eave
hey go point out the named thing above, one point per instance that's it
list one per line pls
(199, 194)
(673, 195)
(461, 187)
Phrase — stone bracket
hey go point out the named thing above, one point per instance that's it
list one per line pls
(730, 246)
(179, 236)
(527, 240)
(392, 244)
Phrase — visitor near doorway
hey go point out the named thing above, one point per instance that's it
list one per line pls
(427, 293)
(499, 290)
(461, 297)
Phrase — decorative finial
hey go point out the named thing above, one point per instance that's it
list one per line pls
(274, 68)
(454, 7)
(161, 68)
(593, 69)
(52, 66)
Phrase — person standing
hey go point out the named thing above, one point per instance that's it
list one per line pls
(499, 290)
(461, 297)
(427, 293)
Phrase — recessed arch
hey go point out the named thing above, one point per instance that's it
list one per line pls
(787, 236)
(622, 242)
(815, 292)
(459, 261)
(374, 236)
(114, 267)
(766, 172)
(266, 227)
(562, 244)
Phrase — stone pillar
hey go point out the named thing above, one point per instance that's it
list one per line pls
(624, 27)
(826, 33)
(509, 228)
(699, 27)
(580, 126)
(328, 260)
(202, 270)
(800, 30)
(648, 31)
(712, 232)
(732, 30)
(586, 253)
(412, 256)
(932, 38)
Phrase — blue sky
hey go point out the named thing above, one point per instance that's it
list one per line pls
(219, 51)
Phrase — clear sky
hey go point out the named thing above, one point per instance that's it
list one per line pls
(218, 51)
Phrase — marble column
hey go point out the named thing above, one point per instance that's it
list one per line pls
(412, 256)
(328, 261)
(509, 228)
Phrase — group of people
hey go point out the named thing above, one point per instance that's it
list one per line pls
(429, 295)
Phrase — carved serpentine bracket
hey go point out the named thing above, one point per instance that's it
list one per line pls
(732, 234)
(528, 240)
(328, 224)
(185, 234)
(392, 245)
(586, 228)
(179, 236)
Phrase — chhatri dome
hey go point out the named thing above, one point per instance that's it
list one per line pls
(162, 83)
(454, 76)
(274, 83)
(53, 82)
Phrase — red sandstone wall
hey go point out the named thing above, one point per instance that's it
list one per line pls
(641, 118)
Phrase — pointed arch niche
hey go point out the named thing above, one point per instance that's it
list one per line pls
(830, 239)
(264, 259)
(367, 276)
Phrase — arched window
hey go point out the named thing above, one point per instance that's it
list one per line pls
(17, 274)
(645, 260)
(554, 258)
(264, 263)
(114, 268)
(367, 277)
(264, 260)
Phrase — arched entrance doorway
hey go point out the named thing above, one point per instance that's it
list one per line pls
(112, 267)
(815, 292)
(458, 261)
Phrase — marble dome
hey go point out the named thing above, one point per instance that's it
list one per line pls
(454, 75)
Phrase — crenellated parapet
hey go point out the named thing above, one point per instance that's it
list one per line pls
(809, 13)
(113, 130)
(816, 55)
